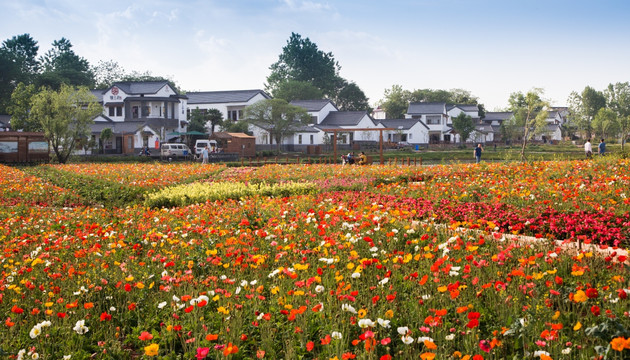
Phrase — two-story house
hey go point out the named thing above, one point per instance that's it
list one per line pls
(139, 114)
(434, 116)
(230, 103)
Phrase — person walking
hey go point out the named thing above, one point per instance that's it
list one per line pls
(588, 149)
(478, 151)
(601, 148)
(204, 155)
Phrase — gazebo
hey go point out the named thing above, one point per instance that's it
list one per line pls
(339, 130)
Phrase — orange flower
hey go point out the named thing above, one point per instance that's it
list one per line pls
(620, 343)
(230, 349)
(430, 345)
(545, 357)
(580, 296)
(88, 305)
(145, 336)
(212, 337)
(427, 356)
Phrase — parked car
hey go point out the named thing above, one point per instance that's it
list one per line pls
(174, 150)
(202, 143)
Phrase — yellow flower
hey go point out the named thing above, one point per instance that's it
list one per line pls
(362, 313)
(580, 296)
(577, 326)
(389, 314)
(151, 350)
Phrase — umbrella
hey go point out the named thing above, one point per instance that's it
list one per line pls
(194, 133)
(174, 133)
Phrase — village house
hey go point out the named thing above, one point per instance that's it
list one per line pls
(139, 114)
(230, 103)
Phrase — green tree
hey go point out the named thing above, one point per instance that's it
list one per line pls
(236, 127)
(63, 66)
(277, 117)
(583, 108)
(106, 135)
(464, 125)
(65, 117)
(351, 98)
(618, 100)
(605, 123)
(106, 73)
(20, 108)
(290, 90)
(9, 72)
(199, 119)
(529, 114)
(395, 102)
(24, 50)
(302, 60)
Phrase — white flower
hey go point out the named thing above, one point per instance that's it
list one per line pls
(80, 327)
(319, 288)
(67, 357)
(383, 323)
(20, 354)
(336, 335)
(403, 330)
(450, 337)
(34, 356)
(537, 353)
(423, 338)
(356, 275)
(35, 331)
(566, 351)
(349, 308)
(384, 281)
(162, 305)
(365, 323)
(407, 339)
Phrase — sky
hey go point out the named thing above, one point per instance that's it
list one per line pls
(491, 48)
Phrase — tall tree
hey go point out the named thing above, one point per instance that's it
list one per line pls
(529, 112)
(583, 108)
(106, 73)
(618, 100)
(351, 98)
(9, 73)
(290, 90)
(199, 120)
(65, 117)
(464, 125)
(302, 60)
(24, 50)
(605, 123)
(395, 102)
(279, 118)
(63, 66)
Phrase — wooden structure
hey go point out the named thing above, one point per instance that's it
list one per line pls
(23, 147)
(236, 143)
(339, 130)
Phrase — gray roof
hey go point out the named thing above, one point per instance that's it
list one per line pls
(119, 127)
(312, 105)
(343, 118)
(498, 115)
(465, 107)
(220, 97)
(140, 87)
(98, 94)
(426, 108)
(484, 128)
(5, 120)
(404, 124)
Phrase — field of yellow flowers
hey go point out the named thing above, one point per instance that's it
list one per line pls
(185, 261)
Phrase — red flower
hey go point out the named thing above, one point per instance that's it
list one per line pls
(16, 310)
(105, 317)
(144, 336)
(592, 293)
(595, 310)
(310, 345)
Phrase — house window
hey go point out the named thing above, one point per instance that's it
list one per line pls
(119, 111)
(235, 115)
(112, 111)
(410, 136)
(312, 141)
(403, 137)
(134, 112)
(300, 139)
(314, 119)
(433, 120)
(146, 111)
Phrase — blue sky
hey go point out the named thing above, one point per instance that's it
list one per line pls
(488, 47)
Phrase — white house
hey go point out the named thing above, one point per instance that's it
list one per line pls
(412, 131)
(480, 132)
(435, 117)
(139, 114)
(230, 103)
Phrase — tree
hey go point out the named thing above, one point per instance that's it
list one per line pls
(605, 123)
(199, 119)
(236, 127)
(106, 73)
(301, 60)
(20, 108)
(9, 73)
(65, 117)
(277, 117)
(583, 108)
(63, 66)
(529, 112)
(618, 100)
(24, 50)
(351, 98)
(290, 90)
(395, 102)
(105, 135)
(463, 124)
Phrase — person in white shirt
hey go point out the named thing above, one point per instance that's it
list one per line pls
(588, 149)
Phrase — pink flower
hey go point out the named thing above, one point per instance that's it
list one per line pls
(202, 353)
(541, 343)
(484, 345)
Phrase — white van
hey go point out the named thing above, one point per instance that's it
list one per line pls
(174, 150)
(202, 143)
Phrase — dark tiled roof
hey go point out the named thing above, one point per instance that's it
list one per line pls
(498, 115)
(484, 128)
(119, 127)
(401, 123)
(426, 108)
(464, 107)
(98, 94)
(343, 118)
(140, 87)
(312, 105)
(219, 97)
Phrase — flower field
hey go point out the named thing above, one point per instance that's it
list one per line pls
(338, 263)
